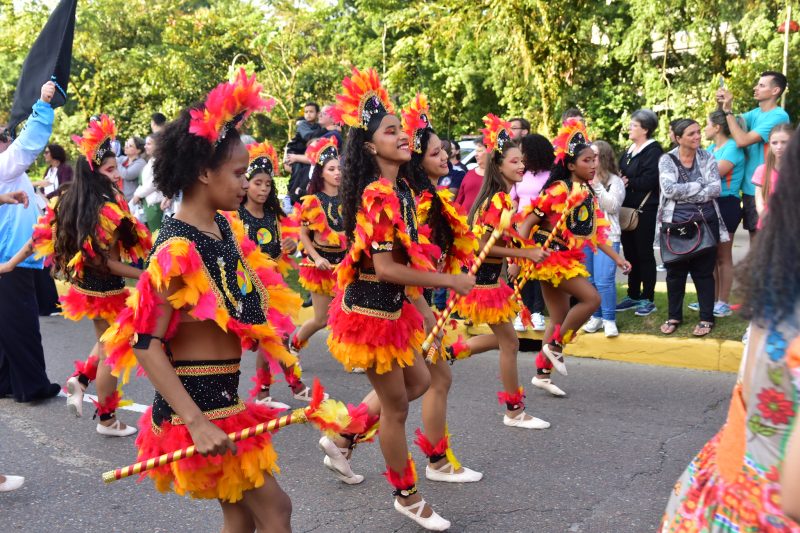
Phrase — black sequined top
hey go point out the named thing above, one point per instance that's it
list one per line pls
(332, 207)
(263, 231)
(234, 282)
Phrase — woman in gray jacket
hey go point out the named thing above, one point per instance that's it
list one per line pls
(130, 166)
(683, 200)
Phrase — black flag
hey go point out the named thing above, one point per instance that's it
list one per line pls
(49, 59)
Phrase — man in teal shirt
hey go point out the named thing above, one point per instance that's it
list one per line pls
(758, 122)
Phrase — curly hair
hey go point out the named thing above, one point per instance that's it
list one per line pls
(181, 156)
(442, 235)
(77, 214)
(768, 282)
(538, 153)
(492, 179)
(359, 170)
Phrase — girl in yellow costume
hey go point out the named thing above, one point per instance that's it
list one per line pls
(89, 237)
(562, 274)
(207, 294)
(492, 300)
(276, 235)
(373, 325)
(322, 235)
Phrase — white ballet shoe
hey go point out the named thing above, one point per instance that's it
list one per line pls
(75, 396)
(556, 359)
(11, 483)
(547, 384)
(520, 421)
(414, 511)
(305, 395)
(355, 479)
(115, 429)
(272, 404)
(337, 461)
(358, 370)
(448, 474)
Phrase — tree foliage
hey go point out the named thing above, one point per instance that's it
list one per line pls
(511, 57)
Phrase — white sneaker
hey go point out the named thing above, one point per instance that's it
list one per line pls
(538, 321)
(448, 474)
(358, 370)
(520, 421)
(547, 384)
(414, 511)
(593, 325)
(272, 404)
(115, 429)
(336, 461)
(11, 483)
(518, 325)
(610, 327)
(75, 396)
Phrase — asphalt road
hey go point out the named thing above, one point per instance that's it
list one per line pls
(607, 464)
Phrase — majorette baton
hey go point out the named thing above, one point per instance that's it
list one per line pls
(428, 347)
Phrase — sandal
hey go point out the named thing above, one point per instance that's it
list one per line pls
(669, 327)
(703, 328)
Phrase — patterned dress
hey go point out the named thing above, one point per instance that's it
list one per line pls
(733, 483)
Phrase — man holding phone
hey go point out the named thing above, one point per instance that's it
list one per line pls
(758, 122)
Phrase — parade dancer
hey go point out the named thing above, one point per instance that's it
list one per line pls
(321, 234)
(385, 257)
(566, 229)
(276, 234)
(207, 294)
(492, 302)
(90, 238)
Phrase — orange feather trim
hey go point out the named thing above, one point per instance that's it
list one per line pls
(496, 132)
(489, 304)
(93, 137)
(357, 90)
(571, 133)
(465, 245)
(313, 216)
(264, 149)
(415, 119)
(322, 149)
(405, 480)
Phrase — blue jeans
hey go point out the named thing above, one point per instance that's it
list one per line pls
(602, 274)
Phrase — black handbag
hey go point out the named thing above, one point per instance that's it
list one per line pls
(681, 241)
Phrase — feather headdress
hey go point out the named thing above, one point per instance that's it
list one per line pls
(227, 106)
(571, 135)
(263, 158)
(96, 139)
(415, 120)
(496, 133)
(362, 98)
(323, 149)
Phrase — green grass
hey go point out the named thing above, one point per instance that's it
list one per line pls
(292, 280)
(727, 328)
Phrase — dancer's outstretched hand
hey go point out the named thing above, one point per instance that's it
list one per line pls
(462, 283)
(209, 439)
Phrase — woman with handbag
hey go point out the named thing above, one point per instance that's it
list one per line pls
(690, 224)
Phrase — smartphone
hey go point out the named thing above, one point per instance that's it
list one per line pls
(721, 82)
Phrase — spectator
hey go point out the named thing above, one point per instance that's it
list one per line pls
(147, 190)
(778, 139)
(572, 112)
(759, 122)
(58, 172)
(157, 121)
(332, 129)
(519, 128)
(455, 156)
(452, 181)
(690, 184)
(471, 184)
(671, 134)
(130, 166)
(308, 129)
(22, 367)
(639, 172)
(730, 162)
(538, 156)
(610, 193)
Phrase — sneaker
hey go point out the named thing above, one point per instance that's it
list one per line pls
(538, 321)
(627, 304)
(646, 307)
(694, 306)
(661, 267)
(721, 309)
(593, 325)
(610, 328)
(518, 325)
